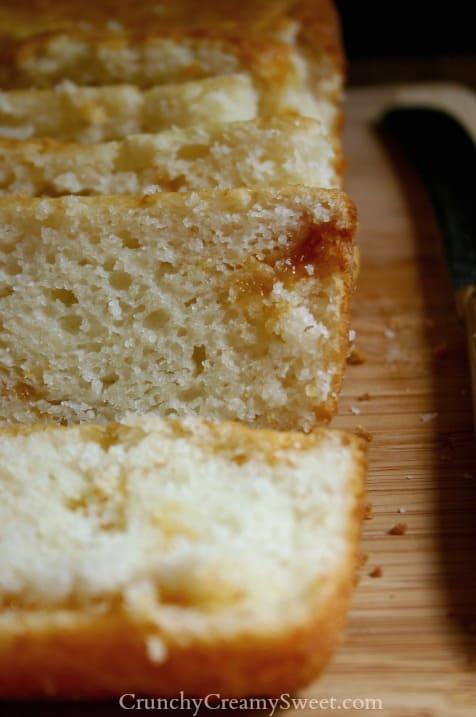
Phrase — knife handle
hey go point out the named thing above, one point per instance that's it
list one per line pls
(466, 302)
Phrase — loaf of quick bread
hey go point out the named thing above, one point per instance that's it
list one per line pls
(176, 266)
(267, 152)
(154, 557)
(230, 304)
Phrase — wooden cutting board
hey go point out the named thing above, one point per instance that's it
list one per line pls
(411, 635)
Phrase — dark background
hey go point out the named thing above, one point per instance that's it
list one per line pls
(405, 41)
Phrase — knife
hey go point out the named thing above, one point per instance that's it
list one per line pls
(444, 155)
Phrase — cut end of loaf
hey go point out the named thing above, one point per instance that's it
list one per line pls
(198, 538)
(228, 304)
(267, 152)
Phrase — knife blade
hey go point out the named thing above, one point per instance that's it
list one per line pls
(444, 155)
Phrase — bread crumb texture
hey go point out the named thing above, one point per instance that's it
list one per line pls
(267, 152)
(186, 524)
(98, 114)
(228, 304)
(157, 556)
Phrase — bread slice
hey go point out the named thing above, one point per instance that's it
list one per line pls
(179, 555)
(92, 58)
(230, 304)
(86, 59)
(266, 152)
(97, 114)
(291, 51)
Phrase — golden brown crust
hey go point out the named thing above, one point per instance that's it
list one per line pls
(101, 655)
(25, 18)
(320, 30)
(342, 243)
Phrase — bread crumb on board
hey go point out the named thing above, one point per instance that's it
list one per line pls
(356, 357)
(364, 397)
(398, 529)
(363, 433)
(376, 572)
(368, 511)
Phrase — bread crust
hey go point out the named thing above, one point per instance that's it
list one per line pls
(26, 18)
(102, 654)
(102, 657)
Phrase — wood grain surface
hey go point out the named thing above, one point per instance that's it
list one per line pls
(411, 635)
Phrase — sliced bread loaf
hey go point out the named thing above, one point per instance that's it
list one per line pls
(266, 152)
(290, 50)
(97, 114)
(152, 557)
(228, 304)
